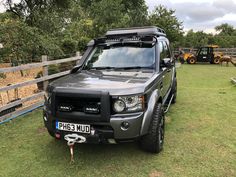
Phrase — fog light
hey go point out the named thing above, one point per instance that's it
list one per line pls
(125, 125)
(111, 141)
(58, 135)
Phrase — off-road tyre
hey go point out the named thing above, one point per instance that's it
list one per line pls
(191, 60)
(51, 133)
(216, 60)
(154, 140)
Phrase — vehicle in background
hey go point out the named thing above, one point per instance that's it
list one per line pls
(207, 54)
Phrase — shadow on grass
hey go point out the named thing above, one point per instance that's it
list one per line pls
(97, 154)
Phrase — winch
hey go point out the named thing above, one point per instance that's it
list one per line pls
(71, 140)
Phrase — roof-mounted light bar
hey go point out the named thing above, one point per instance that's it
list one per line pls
(136, 31)
(139, 34)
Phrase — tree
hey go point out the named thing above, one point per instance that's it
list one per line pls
(166, 19)
(22, 43)
(225, 29)
(196, 39)
(136, 12)
(29, 9)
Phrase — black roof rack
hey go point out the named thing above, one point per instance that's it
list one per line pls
(136, 31)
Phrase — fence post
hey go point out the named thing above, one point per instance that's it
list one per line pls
(45, 72)
(77, 55)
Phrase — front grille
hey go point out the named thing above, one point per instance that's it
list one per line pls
(81, 105)
(84, 105)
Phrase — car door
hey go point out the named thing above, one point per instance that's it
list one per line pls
(169, 72)
(203, 55)
(210, 54)
(166, 72)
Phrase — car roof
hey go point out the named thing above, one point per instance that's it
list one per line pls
(136, 31)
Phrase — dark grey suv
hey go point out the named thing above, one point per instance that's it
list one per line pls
(119, 91)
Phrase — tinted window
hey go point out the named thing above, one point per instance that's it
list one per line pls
(164, 50)
(125, 56)
(203, 51)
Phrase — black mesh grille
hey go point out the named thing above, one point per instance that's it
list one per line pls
(78, 104)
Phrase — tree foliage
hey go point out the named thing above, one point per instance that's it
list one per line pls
(59, 28)
(225, 29)
(62, 27)
(226, 37)
(23, 43)
(166, 19)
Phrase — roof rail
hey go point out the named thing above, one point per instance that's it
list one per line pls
(136, 31)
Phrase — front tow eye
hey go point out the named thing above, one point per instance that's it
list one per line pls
(71, 140)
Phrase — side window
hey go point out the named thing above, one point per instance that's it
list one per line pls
(203, 51)
(164, 51)
(167, 50)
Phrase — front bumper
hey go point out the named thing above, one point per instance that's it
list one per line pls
(103, 130)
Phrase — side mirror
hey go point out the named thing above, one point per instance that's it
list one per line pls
(167, 62)
(76, 68)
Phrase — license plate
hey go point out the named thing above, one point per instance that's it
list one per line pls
(81, 128)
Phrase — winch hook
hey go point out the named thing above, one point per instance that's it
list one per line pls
(71, 140)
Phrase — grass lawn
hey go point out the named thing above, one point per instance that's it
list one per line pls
(200, 138)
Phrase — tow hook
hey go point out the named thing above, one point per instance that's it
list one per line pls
(71, 140)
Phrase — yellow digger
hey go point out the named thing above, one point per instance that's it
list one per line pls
(203, 54)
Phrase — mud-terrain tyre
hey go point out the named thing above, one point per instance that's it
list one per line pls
(52, 134)
(191, 60)
(216, 60)
(154, 140)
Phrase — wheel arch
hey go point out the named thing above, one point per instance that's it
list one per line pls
(147, 117)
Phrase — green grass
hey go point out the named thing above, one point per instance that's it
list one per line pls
(200, 138)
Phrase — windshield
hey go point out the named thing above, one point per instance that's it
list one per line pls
(126, 57)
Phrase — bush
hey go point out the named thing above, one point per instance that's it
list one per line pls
(3, 76)
(53, 69)
(66, 66)
(69, 47)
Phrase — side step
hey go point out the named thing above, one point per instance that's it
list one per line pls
(233, 80)
(167, 107)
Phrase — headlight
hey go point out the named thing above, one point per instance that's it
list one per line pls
(128, 104)
(119, 106)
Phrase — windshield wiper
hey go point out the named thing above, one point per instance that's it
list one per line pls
(102, 67)
(136, 67)
(121, 68)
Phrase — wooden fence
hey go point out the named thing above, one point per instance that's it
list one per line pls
(45, 78)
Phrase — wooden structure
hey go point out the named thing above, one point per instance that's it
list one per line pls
(45, 63)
